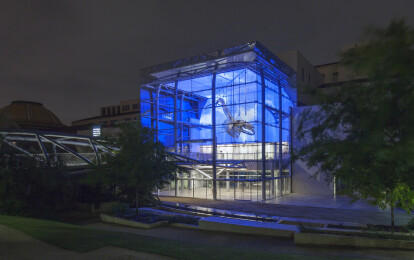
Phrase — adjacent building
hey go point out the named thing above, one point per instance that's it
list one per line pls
(30, 115)
(108, 119)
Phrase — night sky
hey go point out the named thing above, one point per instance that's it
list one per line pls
(75, 56)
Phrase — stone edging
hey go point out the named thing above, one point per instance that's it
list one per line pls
(301, 238)
(182, 225)
(125, 222)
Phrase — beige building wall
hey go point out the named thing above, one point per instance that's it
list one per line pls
(110, 116)
(304, 178)
(333, 73)
(306, 74)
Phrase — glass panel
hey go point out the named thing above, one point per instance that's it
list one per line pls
(183, 107)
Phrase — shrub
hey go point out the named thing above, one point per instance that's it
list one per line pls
(410, 224)
(30, 188)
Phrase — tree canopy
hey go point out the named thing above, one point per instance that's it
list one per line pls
(363, 133)
(138, 168)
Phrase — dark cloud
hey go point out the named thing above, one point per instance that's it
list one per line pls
(75, 56)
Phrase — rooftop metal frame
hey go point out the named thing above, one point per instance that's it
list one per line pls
(64, 141)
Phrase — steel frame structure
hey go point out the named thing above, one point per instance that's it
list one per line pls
(75, 151)
(165, 100)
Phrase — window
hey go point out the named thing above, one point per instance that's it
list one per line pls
(134, 106)
(125, 108)
(335, 77)
(96, 131)
(309, 80)
(127, 119)
(323, 79)
(113, 122)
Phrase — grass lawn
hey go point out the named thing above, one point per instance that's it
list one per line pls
(83, 239)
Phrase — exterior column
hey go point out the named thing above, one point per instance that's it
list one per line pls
(213, 121)
(176, 184)
(290, 146)
(181, 125)
(227, 182)
(272, 182)
(263, 135)
(157, 97)
(175, 116)
(152, 105)
(280, 138)
(190, 182)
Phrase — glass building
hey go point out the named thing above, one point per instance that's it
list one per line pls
(225, 117)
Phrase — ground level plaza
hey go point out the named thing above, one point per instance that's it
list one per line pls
(305, 206)
(250, 190)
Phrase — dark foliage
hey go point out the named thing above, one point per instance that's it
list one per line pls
(137, 169)
(363, 133)
(30, 187)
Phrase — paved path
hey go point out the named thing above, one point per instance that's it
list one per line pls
(296, 211)
(252, 242)
(17, 245)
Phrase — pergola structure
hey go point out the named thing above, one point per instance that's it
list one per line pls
(75, 151)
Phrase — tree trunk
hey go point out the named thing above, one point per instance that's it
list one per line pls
(136, 202)
(392, 218)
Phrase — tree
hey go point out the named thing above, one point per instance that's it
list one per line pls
(32, 187)
(139, 167)
(364, 131)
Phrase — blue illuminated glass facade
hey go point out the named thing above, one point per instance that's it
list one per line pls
(226, 117)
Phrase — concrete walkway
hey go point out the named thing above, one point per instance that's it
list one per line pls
(17, 245)
(292, 208)
(255, 242)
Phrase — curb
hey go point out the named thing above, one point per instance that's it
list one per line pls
(350, 241)
(124, 222)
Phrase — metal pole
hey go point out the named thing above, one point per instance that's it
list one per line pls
(181, 126)
(219, 190)
(157, 97)
(176, 184)
(98, 160)
(151, 93)
(263, 135)
(213, 120)
(290, 146)
(251, 192)
(227, 183)
(43, 149)
(280, 136)
(234, 188)
(175, 115)
(206, 188)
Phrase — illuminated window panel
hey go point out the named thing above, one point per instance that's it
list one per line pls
(176, 100)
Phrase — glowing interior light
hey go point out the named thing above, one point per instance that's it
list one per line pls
(96, 131)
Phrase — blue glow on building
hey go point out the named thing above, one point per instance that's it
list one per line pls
(227, 116)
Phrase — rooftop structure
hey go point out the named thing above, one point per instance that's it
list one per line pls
(28, 115)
